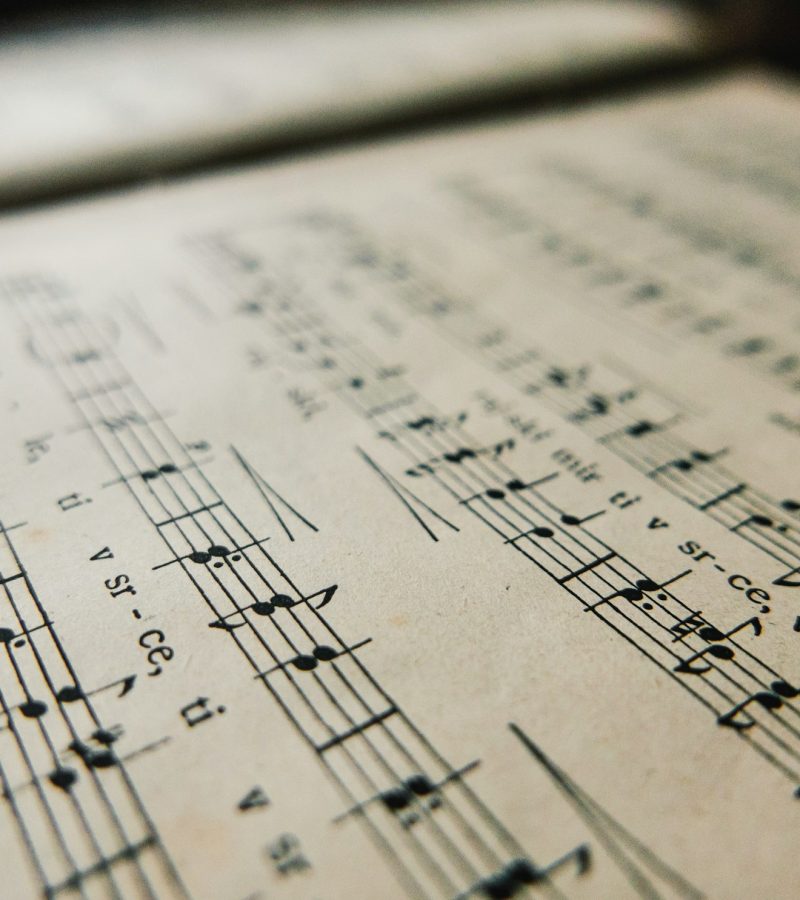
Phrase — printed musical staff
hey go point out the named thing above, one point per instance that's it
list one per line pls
(360, 735)
(70, 793)
(715, 667)
(634, 421)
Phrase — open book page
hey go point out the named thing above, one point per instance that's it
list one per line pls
(120, 99)
(420, 521)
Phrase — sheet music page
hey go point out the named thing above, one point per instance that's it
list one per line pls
(420, 521)
(119, 99)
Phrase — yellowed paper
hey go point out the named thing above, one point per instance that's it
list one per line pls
(417, 521)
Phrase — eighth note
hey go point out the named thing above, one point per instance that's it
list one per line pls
(769, 700)
(718, 651)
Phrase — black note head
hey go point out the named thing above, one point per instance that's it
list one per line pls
(396, 798)
(63, 778)
(69, 694)
(33, 709)
(304, 663)
(263, 608)
(420, 785)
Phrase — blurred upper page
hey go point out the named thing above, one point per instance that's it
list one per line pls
(113, 100)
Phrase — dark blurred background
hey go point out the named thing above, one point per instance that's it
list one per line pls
(765, 29)
(115, 139)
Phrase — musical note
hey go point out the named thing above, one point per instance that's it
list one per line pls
(398, 798)
(688, 463)
(718, 651)
(572, 521)
(70, 693)
(165, 469)
(92, 757)
(639, 429)
(307, 662)
(63, 778)
(637, 591)
(769, 700)
(33, 709)
(127, 685)
(457, 457)
(688, 626)
(260, 608)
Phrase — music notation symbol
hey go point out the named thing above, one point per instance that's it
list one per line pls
(425, 422)
(456, 457)
(512, 879)
(413, 789)
(401, 797)
(636, 592)
(259, 607)
(360, 728)
(640, 428)
(633, 593)
(763, 521)
(688, 463)
(567, 378)
(71, 693)
(416, 789)
(32, 708)
(573, 521)
(715, 649)
(269, 607)
(63, 777)
(428, 424)
(769, 700)
(521, 873)
(102, 757)
(216, 552)
(307, 662)
(544, 531)
(598, 405)
(515, 485)
(165, 469)
(17, 638)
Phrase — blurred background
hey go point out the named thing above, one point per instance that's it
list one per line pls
(100, 93)
(770, 28)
